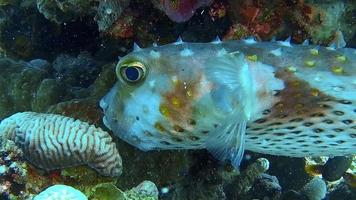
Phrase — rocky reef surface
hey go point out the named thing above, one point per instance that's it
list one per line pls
(59, 56)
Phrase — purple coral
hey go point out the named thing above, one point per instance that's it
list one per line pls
(181, 10)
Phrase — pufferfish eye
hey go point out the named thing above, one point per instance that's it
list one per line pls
(133, 72)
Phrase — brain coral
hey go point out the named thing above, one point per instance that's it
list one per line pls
(61, 192)
(53, 141)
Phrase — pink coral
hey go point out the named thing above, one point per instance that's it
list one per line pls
(181, 10)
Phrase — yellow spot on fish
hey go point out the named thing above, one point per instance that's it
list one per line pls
(315, 92)
(310, 63)
(252, 58)
(314, 52)
(291, 69)
(341, 58)
(189, 93)
(176, 102)
(299, 106)
(178, 128)
(295, 83)
(159, 127)
(337, 69)
(164, 110)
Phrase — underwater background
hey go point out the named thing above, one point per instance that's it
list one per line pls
(59, 57)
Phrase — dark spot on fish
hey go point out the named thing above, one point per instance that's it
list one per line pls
(308, 124)
(296, 132)
(277, 92)
(338, 130)
(278, 134)
(263, 133)
(325, 106)
(318, 130)
(147, 133)
(328, 121)
(194, 138)
(340, 141)
(300, 141)
(260, 121)
(178, 128)
(277, 140)
(290, 127)
(205, 132)
(283, 115)
(296, 120)
(269, 129)
(305, 145)
(256, 129)
(275, 124)
(355, 110)
(314, 136)
(353, 127)
(345, 102)
(304, 150)
(318, 142)
(266, 112)
(347, 121)
(165, 143)
(272, 144)
(330, 136)
(338, 113)
(216, 125)
(177, 139)
(137, 118)
(317, 115)
(192, 122)
(278, 147)
(352, 135)
(254, 138)
(294, 148)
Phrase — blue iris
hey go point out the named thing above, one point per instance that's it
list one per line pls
(132, 73)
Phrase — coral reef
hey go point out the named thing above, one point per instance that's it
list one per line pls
(315, 189)
(53, 141)
(79, 71)
(146, 190)
(58, 192)
(64, 11)
(335, 167)
(13, 171)
(109, 11)
(180, 10)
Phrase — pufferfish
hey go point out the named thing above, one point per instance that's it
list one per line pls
(270, 97)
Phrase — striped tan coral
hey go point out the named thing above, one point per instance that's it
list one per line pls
(53, 141)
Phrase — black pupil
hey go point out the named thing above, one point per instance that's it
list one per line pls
(132, 73)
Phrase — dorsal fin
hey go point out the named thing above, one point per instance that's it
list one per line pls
(216, 40)
(306, 42)
(136, 47)
(338, 41)
(179, 41)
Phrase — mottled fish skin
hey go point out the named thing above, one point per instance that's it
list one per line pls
(302, 102)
